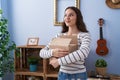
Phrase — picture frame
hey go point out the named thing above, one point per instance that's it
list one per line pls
(32, 41)
(56, 22)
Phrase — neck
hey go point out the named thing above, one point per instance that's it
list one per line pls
(101, 33)
(73, 30)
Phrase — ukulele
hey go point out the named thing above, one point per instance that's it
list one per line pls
(101, 43)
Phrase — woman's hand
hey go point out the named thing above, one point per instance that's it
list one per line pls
(54, 62)
(59, 52)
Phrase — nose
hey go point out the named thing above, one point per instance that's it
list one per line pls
(67, 17)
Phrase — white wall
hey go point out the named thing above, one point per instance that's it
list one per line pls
(29, 18)
(33, 18)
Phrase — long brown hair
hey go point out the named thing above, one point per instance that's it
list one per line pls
(79, 22)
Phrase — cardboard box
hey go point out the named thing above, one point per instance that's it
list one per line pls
(64, 42)
(73, 37)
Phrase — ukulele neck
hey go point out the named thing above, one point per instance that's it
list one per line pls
(101, 33)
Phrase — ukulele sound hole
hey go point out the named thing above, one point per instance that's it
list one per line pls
(101, 51)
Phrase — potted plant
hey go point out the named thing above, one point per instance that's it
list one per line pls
(6, 48)
(33, 62)
(101, 66)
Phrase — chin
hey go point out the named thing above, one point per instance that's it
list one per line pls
(67, 24)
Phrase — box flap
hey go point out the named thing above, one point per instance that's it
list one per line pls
(60, 41)
(73, 37)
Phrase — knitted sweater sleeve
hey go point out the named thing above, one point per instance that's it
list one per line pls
(47, 52)
(80, 54)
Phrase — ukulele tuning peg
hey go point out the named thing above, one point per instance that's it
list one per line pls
(101, 21)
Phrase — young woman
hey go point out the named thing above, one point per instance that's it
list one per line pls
(72, 65)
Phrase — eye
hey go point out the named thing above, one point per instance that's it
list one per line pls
(71, 15)
(65, 15)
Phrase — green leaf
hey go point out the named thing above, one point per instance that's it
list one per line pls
(101, 63)
(0, 11)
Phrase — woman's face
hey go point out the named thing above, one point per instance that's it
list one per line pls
(70, 18)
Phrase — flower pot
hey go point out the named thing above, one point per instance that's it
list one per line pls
(101, 70)
(33, 67)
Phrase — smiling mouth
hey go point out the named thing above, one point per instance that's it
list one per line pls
(67, 21)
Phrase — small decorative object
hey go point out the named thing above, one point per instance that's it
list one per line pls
(33, 62)
(33, 78)
(32, 41)
(113, 3)
(101, 65)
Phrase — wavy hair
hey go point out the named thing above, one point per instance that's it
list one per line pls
(79, 22)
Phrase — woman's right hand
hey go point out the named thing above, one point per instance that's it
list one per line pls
(59, 52)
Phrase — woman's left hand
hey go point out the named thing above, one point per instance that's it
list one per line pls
(54, 62)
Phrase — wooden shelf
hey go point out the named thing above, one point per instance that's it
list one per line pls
(55, 75)
(44, 72)
(37, 73)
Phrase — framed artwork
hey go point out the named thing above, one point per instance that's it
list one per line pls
(57, 4)
(33, 41)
